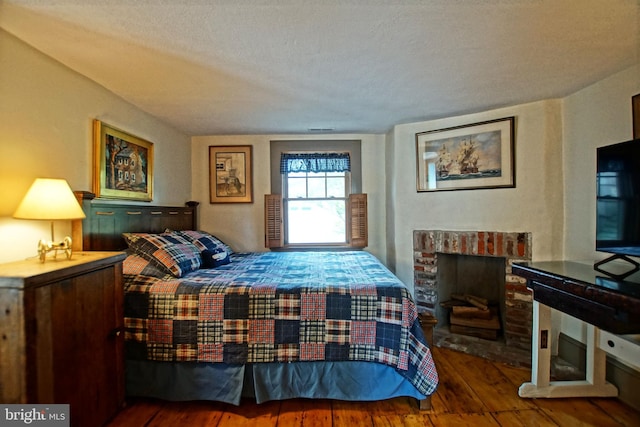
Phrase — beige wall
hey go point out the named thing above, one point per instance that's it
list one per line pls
(46, 114)
(242, 224)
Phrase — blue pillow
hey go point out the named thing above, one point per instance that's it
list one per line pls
(212, 258)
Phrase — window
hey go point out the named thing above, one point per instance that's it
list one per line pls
(313, 201)
(316, 188)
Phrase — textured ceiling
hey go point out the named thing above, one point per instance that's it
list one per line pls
(262, 67)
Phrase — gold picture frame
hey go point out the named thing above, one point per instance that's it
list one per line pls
(123, 164)
(473, 156)
(230, 174)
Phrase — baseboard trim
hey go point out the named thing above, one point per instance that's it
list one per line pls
(622, 376)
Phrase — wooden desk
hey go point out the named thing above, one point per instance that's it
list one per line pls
(578, 290)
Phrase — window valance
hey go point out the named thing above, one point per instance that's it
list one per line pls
(315, 162)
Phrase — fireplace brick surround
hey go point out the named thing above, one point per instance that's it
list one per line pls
(514, 247)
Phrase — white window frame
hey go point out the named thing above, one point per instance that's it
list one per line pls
(286, 200)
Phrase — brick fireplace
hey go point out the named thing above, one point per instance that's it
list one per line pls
(516, 305)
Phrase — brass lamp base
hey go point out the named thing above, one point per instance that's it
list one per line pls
(44, 247)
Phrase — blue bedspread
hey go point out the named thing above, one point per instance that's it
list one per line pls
(280, 307)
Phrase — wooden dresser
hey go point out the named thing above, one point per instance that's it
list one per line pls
(61, 334)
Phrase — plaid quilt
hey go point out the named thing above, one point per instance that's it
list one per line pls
(280, 307)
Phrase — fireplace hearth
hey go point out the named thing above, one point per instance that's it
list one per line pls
(476, 263)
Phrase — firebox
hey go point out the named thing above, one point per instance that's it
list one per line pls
(471, 294)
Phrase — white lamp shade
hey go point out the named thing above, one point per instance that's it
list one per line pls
(49, 199)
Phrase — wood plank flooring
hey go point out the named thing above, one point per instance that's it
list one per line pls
(472, 392)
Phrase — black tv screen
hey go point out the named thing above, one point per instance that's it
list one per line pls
(618, 198)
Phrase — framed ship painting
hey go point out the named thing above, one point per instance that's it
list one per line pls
(123, 164)
(480, 155)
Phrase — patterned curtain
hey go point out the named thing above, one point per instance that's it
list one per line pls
(315, 162)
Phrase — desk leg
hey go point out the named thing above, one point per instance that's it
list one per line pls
(594, 384)
(541, 342)
(596, 358)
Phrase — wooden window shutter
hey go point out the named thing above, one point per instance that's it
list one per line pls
(358, 228)
(273, 232)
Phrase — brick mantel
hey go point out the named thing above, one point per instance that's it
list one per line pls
(513, 246)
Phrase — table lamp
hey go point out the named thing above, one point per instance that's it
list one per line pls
(50, 200)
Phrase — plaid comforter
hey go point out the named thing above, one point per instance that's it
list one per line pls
(280, 307)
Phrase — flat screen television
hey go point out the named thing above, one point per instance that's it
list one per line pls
(618, 202)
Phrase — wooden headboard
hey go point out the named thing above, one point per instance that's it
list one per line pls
(102, 229)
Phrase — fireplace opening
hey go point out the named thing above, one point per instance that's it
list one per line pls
(471, 293)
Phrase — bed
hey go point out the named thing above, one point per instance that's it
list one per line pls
(203, 322)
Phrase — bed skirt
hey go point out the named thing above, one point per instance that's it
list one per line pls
(349, 380)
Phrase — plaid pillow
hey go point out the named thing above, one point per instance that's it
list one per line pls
(167, 251)
(203, 240)
(135, 265)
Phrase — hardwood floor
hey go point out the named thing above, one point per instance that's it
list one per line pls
(472, 392)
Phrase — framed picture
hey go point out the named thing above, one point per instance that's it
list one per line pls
(123, 164)
(230, 179)
(479, 155)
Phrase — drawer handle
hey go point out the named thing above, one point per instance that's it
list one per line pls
(134, 213)
(156, 213)
(105, 213)
(173, 213)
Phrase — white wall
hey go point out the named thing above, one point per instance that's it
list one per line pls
(242, 224)
(554, 197)
(534, 205)
(595, 116)
(46, 114)
(390, 186)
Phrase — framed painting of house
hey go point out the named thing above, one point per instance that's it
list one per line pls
(479, 155)
(230, 174)
(123, 164)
